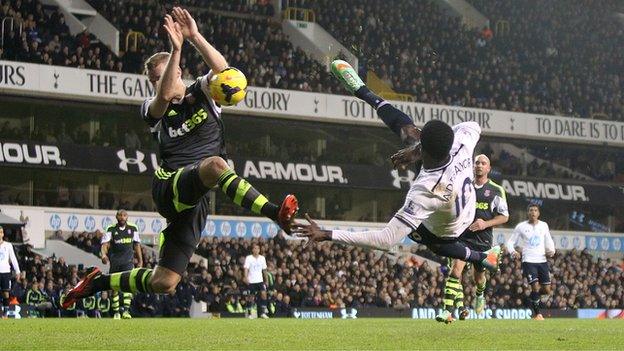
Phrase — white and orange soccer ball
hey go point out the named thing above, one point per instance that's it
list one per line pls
(228, 87)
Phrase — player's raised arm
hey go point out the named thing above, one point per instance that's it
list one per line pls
(212, 56)
(166, 89)
(469, 132)
(383, 239)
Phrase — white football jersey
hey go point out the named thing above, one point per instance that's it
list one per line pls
(534, 239)
(255, 267)
(443, 199)
(8, 258)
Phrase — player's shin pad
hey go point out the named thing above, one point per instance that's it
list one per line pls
(136, 280)
(459, 298)
(245, 195)
(451, 289)
(127, 299)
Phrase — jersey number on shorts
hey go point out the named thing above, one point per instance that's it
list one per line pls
(459, 205)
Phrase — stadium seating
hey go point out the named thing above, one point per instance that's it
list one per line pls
(253, 44)
(542, 62)
(578, 73)
(331, 275)
(45, 39)
(54, 277)
(434, 58)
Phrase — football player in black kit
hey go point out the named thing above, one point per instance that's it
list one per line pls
(120, 244)
(491, 211)
(187, 124)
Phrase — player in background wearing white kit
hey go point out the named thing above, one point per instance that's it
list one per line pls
(532, 241)
(255, 273)
(6, 255)
(440, 204)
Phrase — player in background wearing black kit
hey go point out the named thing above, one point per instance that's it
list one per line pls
(120, 244)
(491, 211)
(188, 126)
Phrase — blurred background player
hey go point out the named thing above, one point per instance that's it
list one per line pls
(7, 259)
(532, 241)
(255, 272)
(120, 244)
(187, 124)
(103, 305)
(491, 211)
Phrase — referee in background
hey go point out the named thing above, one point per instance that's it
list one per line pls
(120, 243)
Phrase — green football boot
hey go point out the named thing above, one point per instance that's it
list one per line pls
(445, 317)
(346, 75)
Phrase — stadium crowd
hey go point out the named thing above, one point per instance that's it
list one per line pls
(45, 38)
(538, 60)
(543, 61)
(254, 44)
(328, 276)
(44, 280)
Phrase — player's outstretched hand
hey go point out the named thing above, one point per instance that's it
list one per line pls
(406, 156)
(477, 225)
(188, 26)
(311, 231)
(174, 32)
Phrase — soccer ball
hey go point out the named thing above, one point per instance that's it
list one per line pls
(228, 87)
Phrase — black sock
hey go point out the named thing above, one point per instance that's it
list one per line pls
(5, 305)
(115, 302)
(455, 249)
(535, 302)
(394, 118)
(390, 115)
(369, 97)
(136, 280)
(101, 283)
(452, 287)
(474, 256)
(246, 196)
(127, 301)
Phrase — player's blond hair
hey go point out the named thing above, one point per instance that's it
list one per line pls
(156, 60)
(482, 155)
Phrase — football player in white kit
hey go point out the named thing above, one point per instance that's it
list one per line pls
(440, 204)
(532, 241)
(7, 259)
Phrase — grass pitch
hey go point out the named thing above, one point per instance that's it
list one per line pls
(290, 334)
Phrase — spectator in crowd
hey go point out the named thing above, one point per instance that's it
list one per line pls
(328, 276)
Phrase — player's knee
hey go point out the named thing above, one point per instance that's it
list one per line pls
(163, 286)
(210, 169)
(164, 283)
(213, 164)
(545, 290)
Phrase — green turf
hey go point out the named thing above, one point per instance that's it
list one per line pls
(288, 334)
